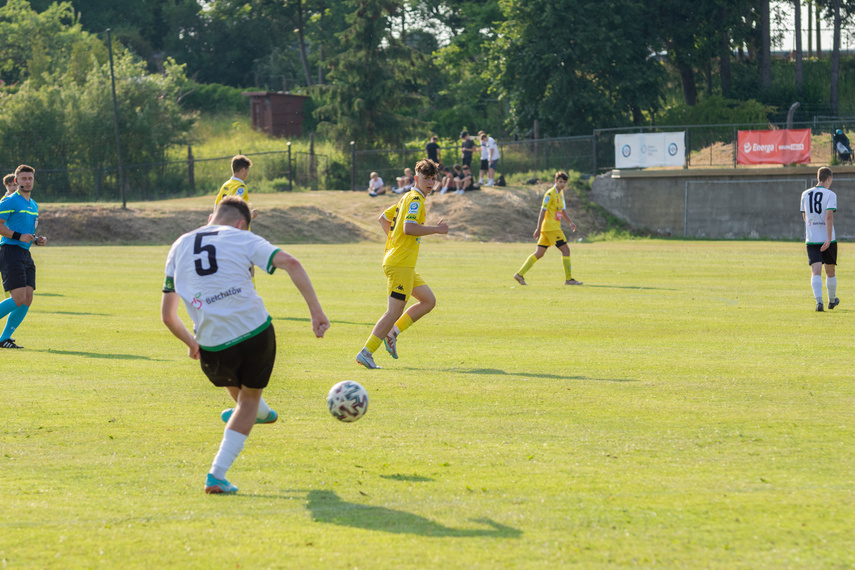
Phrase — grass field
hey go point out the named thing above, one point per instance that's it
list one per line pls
(685, 408)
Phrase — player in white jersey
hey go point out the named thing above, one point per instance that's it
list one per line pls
(234, 340)
(818, 205)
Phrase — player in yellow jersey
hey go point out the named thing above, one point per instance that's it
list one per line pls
(404, 227)
(236, 185)
(549, 232)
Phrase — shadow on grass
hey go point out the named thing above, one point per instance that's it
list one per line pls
(327, 507)
(81, 314)
(110, 356)
(498, 372)
(410, 478)
(332, 322)
(631, 287)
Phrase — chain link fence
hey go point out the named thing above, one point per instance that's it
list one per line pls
(563, 153)
(271, 172)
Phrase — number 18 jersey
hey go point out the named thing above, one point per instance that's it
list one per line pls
(815, 202)
(209, 269)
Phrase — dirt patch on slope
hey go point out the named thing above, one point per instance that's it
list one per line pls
(490, 214)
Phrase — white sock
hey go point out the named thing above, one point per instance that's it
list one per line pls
(816, 285)
(263, 409)
(444, 189)
(395, 331)
(230, 448)
(831, 285)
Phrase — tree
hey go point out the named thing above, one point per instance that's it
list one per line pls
(835, 56)
(574, 66)
(798, 30)
(374, 81)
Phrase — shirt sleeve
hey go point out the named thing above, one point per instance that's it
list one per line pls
(415, 212)
(261, 252)
(832, 202)
(389, 214)
(169, 280)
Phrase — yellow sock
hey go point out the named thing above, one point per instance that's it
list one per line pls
(527, 265)
(565, 259)
(373, 343)
(404, 323)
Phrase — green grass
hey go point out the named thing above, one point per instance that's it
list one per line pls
(685, 408)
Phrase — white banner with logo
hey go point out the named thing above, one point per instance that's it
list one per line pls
(650, 149)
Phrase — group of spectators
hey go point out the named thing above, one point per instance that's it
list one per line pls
(457, 178)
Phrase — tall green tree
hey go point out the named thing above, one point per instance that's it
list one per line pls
(575, 65)
(374, 81)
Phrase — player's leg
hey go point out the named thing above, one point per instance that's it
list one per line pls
(816, 283)
(17, 305)
(830, 263)
(234, 437)
(539, 250)
(565, 260)
(265, 414)
(394, 310)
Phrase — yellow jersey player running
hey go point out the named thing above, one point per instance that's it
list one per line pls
(404, 227)
(549, 232)
(236, 185)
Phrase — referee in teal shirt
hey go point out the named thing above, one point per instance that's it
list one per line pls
(19, 218)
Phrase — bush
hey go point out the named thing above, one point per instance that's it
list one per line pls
(216, 99)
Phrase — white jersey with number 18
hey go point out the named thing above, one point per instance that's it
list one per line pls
(209, 268)
(815, 203)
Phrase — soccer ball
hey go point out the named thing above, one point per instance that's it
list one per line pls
(347, 401)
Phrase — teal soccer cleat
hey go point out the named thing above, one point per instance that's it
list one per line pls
(271, 417)
(214, 486)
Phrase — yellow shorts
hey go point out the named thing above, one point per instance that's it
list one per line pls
(555, 238)
(401, 281)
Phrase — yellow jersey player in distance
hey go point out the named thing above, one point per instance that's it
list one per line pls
(404, 224)
(236, 185)
(548, 231)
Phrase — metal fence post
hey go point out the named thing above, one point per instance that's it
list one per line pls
(735, 145)
(352, 165)
(191, 173)
(595, 152)
(290, 170)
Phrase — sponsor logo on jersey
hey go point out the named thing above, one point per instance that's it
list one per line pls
(414, 207)
(222, 295)
(197, 302)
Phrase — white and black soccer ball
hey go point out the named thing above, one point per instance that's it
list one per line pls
(347, 401)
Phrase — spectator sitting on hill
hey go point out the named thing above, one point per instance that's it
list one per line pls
(465, 181)
(448, 180)
(405, 182)
(375, 185)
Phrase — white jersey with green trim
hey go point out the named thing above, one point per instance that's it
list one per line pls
(815, 203)
(209, 268)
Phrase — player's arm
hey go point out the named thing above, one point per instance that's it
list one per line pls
(539, 222)
(6, 232)
(566, 216)
(829, 226)
(286, 261)
(416, 229)
(169, 316)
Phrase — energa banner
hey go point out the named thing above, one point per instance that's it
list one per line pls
(650, 149)
(784, 146)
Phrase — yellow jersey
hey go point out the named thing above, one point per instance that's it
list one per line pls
(403, 250)
(233, 187)
(553, 203)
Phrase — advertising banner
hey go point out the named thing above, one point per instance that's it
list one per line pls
(650, 149)
(784, 146)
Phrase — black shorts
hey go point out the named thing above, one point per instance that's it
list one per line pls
(827, 257)
(485, 164)
(467, 159)
(248, 363)
(17, 267)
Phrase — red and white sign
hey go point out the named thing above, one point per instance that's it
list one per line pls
(784, 146)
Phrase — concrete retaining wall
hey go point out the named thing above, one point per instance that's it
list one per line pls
(728, 204)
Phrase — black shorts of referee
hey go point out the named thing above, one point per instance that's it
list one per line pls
(17, 267)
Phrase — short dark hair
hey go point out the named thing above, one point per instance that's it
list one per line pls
(8, 179)
(562, 175)
(24, 168)
(824, 174)
(235, 207)
(240, 162)
(464, 134)
(427, 167)
(456, 167)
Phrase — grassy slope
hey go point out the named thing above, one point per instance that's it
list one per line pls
(679, 410)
